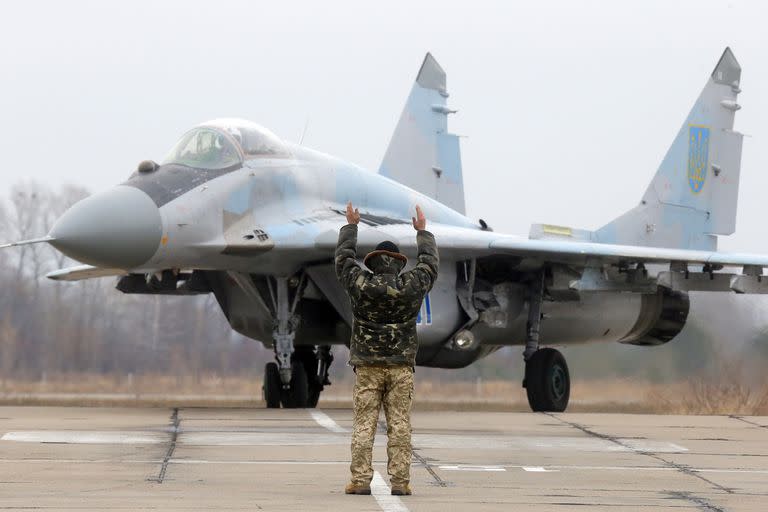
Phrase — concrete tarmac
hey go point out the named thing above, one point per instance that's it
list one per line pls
(72, 458)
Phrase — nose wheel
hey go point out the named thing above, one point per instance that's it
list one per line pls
(309, 376)
(547, 381)
(296, 394)
(273, 386)
(293, 395)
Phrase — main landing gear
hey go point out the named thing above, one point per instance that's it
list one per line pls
(299, 374)
(547, 381)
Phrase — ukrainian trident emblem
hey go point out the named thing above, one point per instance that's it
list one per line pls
(698, 157)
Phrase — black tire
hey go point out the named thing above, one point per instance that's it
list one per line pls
(272, 386)
(298, 393)
(547, 381)
(314, 396)
(308, 357)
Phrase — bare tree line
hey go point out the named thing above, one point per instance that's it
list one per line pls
(88, 326)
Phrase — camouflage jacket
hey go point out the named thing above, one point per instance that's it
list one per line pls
(384, 301)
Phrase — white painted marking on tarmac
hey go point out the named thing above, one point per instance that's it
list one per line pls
(539, 469)
(235, 438)
(260, 439)
(600, 468)
(263, 462)
(326, 421)
(182, 462)
(643, 445)
(462, 467)
(383, 494)
(85, 437)
(559, 443)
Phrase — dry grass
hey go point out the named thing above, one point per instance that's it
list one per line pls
(135, 384)
(722, 395)
(725, 393)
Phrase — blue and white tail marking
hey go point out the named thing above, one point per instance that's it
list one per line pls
(694, 193)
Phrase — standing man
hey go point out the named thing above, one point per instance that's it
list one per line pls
(385, 303)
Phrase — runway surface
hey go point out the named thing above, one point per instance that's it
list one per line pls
(297, 460)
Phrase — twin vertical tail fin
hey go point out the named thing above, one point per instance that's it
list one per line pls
(422, 154)
(694, 194)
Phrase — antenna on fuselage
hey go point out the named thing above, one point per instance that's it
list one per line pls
(304, 132)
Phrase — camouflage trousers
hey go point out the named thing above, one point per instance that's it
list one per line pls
(392, 387)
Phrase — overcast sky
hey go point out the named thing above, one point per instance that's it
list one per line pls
(567, 107)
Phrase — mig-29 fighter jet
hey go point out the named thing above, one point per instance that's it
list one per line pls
(235, 211)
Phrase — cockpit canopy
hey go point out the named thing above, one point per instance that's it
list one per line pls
(224, 143)
(204, 148)
(254, 140)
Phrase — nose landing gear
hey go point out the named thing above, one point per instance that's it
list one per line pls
(285, 381)
(295, 394)
(299, 373)
(292, 395)
(273, 386)
(309, 376)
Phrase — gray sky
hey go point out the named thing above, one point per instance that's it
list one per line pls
(567, 107)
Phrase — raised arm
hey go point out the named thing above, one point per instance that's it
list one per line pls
(347, 268)
(425, 271)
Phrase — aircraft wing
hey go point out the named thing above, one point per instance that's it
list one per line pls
(580, 252)
(82, 272)
(584, 252)
(462, 242)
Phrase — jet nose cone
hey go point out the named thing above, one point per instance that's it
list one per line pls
(118, 228)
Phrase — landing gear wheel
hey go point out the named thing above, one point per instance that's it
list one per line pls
(297, 395)
(309, 360)
(314, 395)
(547, 381)
(272, 386)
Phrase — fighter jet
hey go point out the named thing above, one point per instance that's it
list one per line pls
(236, 211)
